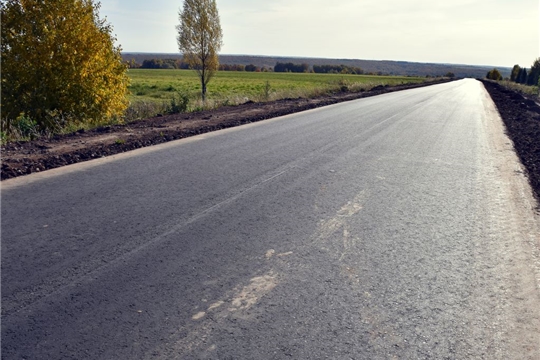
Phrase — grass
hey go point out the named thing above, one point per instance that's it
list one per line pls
(523, 89)
(150, 86)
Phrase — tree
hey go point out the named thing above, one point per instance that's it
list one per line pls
(515, 73)
(534, 73)
(162, 64)
(494, 75)
(522, 78)
(290, 67)
(200, 38)
(59, 64)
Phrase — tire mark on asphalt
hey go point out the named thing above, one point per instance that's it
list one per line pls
(237, 304)
(232, 306)
(340, 224)
(328, 235)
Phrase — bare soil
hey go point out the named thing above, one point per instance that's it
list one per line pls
(521, 115)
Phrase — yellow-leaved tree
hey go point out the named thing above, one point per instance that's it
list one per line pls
(59, 64)
(200, 38)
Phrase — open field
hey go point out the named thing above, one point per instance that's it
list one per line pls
(231, 87)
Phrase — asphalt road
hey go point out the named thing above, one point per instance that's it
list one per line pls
(398, 226)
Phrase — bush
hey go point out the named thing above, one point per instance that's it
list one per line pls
(267, 90)
(178, 105)
(494, 75)
(26, 127)
(21, 128)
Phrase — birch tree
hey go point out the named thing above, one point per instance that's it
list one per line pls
(200, 38)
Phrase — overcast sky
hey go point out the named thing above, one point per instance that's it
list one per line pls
(475, 32)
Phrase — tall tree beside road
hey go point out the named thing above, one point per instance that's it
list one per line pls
(522, 77)
(534, 73)
(200, 38)
(59, 64)
(515, 73)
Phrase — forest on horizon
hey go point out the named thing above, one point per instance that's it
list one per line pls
(380, 67)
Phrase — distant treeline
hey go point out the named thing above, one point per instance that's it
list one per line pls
(279, 67)
(375, 67)
(239, 67)
(318, 69)
(179, 64)
(337, 69)
(290, 67)
(157, 64)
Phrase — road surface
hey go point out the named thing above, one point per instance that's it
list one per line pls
(398, 226)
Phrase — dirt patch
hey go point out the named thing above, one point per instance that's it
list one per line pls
(22, 158)
(521, 115)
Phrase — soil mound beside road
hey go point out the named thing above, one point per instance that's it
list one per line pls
(521, 115)
(22, 158)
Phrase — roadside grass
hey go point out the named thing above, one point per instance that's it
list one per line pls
(523, 89)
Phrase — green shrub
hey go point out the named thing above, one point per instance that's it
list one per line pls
(21, 128)
(178, 105)
(26, 126)
(267, 90)
(494, 75)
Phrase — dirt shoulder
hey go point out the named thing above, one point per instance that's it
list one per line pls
(22, 158)
(521, 116)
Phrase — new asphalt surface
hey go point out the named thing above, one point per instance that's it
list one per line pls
(398, 226)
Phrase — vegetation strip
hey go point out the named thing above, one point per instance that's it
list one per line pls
(21, 158)
(521, 115)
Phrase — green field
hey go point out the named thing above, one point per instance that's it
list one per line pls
(231, 87)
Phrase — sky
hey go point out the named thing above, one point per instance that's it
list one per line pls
(473, 32)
